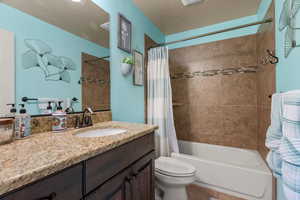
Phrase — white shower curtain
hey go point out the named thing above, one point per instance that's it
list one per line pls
(160, 109)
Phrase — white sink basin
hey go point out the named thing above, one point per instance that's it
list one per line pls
(100, 132)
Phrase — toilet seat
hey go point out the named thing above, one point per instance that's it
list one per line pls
(172, 167)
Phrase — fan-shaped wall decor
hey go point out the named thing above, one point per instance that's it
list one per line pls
(288, 20)
(289, 42)
(39, 55)
(38, 46)
(295, 7)
(30, 59)
(285, 18)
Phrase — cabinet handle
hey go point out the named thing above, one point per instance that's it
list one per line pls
(135, 174)
(128, 179)
(128, 187)
(50, 197)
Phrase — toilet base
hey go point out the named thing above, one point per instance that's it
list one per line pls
(175, 194)
(170, 193)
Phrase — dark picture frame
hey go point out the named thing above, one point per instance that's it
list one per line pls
(124, 34)
(138, 73)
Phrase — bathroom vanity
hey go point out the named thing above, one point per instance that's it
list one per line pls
(115, 167)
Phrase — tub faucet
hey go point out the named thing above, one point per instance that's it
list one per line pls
(85, 120)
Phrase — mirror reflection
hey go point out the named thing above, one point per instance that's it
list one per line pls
(54, 51)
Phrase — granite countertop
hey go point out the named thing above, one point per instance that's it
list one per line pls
(28, 160)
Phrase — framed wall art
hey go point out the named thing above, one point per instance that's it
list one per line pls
(138, 74)
(124, 34)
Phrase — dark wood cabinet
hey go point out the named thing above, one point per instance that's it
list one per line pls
(134, 183)
(123, 173)
(61, 186)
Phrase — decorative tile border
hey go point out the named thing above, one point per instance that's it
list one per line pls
(227, 71)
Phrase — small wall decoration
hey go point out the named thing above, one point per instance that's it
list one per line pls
(125, 32)
(126, 65)
(55, 68)
(138, 75)
(287, 21)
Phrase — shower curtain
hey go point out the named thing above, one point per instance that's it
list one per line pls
(160, 108)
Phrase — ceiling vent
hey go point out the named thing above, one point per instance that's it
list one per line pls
(191, 2)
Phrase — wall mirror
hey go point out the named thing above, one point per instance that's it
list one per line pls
(53, 51)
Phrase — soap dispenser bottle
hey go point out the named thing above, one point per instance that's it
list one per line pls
(13, 110)
(49, 108)
(59, 119)
(22, 123)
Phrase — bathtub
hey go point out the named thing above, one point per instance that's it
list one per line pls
(238, 172)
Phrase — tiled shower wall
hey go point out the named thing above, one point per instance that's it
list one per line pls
(266, 80)
(218, 109)
(221, 109)
(94, 94)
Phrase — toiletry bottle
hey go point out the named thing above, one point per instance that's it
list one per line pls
(59, 119)
(49, 108)
(13, 110)
(22, 124)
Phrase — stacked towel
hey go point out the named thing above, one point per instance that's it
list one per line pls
(274, 135)
(290, 146)
(284, 157)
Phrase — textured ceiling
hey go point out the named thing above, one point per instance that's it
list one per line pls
(82, 19)
(170, 16)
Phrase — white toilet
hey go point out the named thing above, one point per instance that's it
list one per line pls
(172, 177)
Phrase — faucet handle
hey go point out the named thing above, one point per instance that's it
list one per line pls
(90, 110)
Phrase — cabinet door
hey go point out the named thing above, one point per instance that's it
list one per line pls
(65, 185)
(143, 178)
(117, 188)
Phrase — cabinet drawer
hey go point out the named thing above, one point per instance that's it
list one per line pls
(62, 186)
(101, 168)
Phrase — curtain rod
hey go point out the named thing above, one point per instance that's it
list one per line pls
(269, 20)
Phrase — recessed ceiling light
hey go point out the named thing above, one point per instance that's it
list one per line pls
(191, 2)
(78, 1)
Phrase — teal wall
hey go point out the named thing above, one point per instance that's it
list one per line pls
(127, 100)
(31, 82)
(263, 9)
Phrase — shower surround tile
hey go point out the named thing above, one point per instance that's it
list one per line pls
(239, 89)
(218, 109)
(215, 55)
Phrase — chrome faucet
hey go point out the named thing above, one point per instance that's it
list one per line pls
(85, 120)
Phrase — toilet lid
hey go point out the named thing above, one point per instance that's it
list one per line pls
(173, 167)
